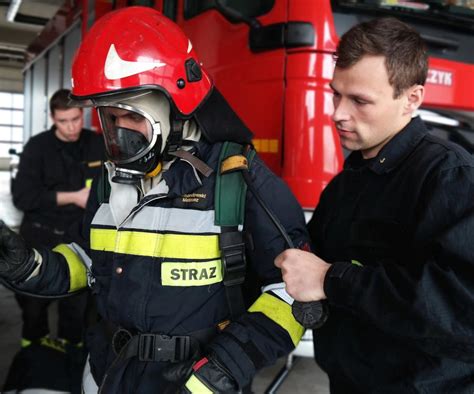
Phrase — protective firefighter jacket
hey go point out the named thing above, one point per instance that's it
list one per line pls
(401, 316)
(159, 271)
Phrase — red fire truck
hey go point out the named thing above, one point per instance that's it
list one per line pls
(272, 60)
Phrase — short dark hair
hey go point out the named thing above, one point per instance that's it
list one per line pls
(60, 100)
(404, 50)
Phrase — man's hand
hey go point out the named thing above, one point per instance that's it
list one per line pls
(17, 262)
(78, 198)
(303, 273)
(204, 376)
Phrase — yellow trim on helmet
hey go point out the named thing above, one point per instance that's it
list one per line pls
(280, 312)
(77, 270)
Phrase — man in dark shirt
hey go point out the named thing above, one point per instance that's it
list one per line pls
(51, 188)
(392, 233)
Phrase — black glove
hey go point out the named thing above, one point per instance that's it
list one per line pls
(17, 261)
(202, 376)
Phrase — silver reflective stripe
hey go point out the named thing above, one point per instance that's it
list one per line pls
(89, 386)
(189, 221)
(86, 260)
(39, 262)
(280, 291)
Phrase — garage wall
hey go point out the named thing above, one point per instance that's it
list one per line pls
(48, 72)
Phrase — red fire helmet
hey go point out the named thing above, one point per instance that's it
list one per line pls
(138, 48)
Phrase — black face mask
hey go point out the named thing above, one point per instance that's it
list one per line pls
(132, 173)
(132, 143)
(125, 144)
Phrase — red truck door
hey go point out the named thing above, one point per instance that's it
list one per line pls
(275, 76)
(252, 83)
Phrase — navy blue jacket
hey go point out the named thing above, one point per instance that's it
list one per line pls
(143, 284)
(399, 230)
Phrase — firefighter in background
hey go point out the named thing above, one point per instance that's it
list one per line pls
(396, 226)
(166, 276)
(51, 188)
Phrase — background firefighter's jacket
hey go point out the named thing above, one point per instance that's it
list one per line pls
(142, 271)
(48, 165)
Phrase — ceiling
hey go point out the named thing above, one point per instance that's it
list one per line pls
(15, 36)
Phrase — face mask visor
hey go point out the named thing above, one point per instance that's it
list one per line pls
(128, 132)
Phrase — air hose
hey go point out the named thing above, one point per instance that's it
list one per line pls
(312, 314)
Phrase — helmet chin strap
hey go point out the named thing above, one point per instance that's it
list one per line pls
(175, 139)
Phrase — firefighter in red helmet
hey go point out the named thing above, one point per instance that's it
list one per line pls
(164, 263)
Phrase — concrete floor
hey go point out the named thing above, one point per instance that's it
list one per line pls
(305, 376)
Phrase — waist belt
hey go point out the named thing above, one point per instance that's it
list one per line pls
(154, 347)
(151, 347)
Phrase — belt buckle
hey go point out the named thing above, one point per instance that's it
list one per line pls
(120, 339)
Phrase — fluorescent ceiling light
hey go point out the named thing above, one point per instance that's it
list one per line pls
(13, 9)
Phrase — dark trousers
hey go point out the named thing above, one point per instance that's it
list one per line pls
(71, 310)
(71, 316)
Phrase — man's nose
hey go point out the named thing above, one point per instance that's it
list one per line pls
(70, 126)
(341, 111)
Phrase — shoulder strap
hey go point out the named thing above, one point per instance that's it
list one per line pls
(229, 205)
(103, 186)
(231, 189)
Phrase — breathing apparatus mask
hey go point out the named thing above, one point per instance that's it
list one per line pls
(135, 130)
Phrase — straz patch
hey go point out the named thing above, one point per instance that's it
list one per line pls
(191, 274)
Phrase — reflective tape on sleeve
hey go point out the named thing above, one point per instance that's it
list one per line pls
(77, 270)
(194, 385)
(280, 312)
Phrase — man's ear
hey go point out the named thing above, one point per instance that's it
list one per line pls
(414, 98)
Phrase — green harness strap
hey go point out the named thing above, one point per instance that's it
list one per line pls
(229, 206)
(230, 189)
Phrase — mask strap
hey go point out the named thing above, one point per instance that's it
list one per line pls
(175, 138)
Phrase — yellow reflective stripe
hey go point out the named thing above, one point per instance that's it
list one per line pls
(178, 246)
(89, 183)
(191, 274)
(263, 145)
(280, 312)
(356, 262)
(194, 385)
(77, 270)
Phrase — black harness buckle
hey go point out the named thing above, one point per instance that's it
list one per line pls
(156, 347)
(232, 247)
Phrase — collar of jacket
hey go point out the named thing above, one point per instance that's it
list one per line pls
(394, 153)
(60, 144)
(219, 122)
(182, 177)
